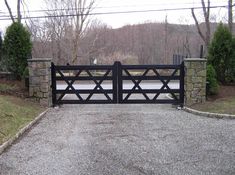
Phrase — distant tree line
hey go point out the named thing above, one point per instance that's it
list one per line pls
(134, 44)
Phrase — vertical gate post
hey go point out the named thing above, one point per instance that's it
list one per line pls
(53, 83)
(115, 82)
(119, 82)
(195, 81)
(40, 80)
(182, 74)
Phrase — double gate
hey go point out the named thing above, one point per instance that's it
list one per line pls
(117, 84)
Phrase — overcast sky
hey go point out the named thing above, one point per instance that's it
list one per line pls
(118, 20)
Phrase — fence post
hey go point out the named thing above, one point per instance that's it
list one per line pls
(115, 83)
(120, 95)
(53, 83)
(182, 74)
(40, 80)
(194, 81)
(201, 51)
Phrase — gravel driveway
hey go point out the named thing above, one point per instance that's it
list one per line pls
(123, 140)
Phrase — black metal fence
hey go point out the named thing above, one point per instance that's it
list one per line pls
(157, 79)
(72, 75)
(124, 84)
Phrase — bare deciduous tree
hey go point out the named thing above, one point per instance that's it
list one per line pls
(206, 13)
(18, 10)
(186, 37)
(56, 27)
(41, 38)
(80, 22)
(70, 21)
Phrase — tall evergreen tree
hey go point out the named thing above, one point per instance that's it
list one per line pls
(17, 48)
(1, 53)
(220, 53)
(0, 46)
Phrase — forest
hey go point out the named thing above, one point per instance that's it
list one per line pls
(148, 43)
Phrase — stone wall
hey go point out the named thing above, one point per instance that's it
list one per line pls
(40, 80)
(194, 81)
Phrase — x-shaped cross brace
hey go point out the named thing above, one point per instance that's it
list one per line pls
(136, 84)
(98, 85)
(165, 84)
(70, 85)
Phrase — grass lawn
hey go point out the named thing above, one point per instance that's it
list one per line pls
(6, 87)
(15, 113)
(223, 106)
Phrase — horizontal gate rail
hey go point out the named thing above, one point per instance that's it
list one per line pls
(84, 102)
(150, 78)
(84, 67)
(131, 67)
(138, 91)
(83, 91)
(159, 101)
(82, 78)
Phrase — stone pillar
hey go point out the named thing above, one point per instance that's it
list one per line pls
(194, 81)
(40, 80)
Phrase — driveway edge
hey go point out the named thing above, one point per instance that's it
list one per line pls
(208, 114)
(9, 142)
(205, 114)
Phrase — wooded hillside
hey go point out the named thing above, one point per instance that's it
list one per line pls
(149, 43)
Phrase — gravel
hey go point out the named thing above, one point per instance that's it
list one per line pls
(123, 139)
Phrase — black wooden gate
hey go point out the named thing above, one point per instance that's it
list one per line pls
(117, 84)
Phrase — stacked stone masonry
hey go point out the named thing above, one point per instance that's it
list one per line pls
(195, 81)
(40, 80)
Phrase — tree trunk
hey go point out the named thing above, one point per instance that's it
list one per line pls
(206, 13)
(18, 11)
(230, 15)
(9, 10)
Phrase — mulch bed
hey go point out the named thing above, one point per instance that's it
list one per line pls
(224, 92)
(222, 103)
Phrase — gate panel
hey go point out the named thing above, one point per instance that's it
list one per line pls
(160, 80)
(67, 82)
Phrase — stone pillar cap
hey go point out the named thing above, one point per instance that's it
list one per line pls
(195, 59)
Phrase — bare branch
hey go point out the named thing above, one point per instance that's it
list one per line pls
(206, 13)
(187, 47)
(81, 22)
(197, 25)
(9, 10)
(207, 20)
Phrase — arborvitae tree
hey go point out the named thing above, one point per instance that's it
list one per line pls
(0, 40)
(1, 52)
(221, 52)
(17, 48)
(0, 46)
(211, 79)
(232, 63)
